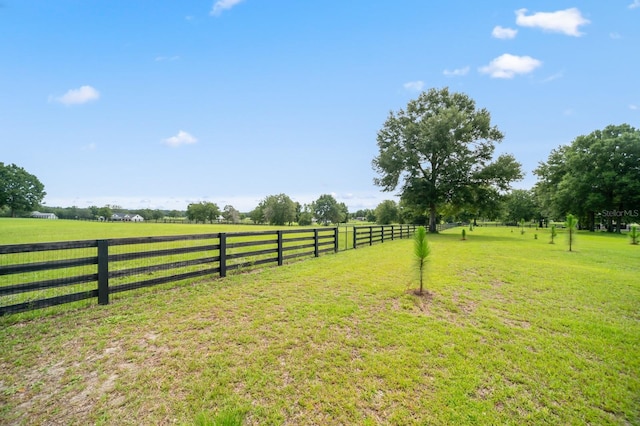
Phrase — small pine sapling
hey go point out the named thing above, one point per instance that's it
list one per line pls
(634, 234)
(554, 234)
(571, 223)
(421, 251)
(521, 226)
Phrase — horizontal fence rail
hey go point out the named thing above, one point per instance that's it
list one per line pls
(34, 276)
(369, 235)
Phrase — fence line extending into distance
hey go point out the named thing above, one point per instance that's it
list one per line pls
(40, 275)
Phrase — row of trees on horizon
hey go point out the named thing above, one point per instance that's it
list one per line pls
(437, 155)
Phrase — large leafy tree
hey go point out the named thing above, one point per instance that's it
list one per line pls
(203, 211)
(230, 214)
(20, 191)
(278, 209)
(326, 209)
(441, 149)
(520, 204)
(596, 173)
(387, 212)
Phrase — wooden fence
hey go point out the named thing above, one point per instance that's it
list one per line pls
(369, 235)
(34, 276)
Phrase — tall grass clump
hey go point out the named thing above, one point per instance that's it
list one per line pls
(224, 418)
(421, 251)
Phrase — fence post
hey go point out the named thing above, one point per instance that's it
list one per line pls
(316, 249)
(103, 272)
(371, 235)
(280, 248)
(335, 239)
(223, 254)
(355, 246)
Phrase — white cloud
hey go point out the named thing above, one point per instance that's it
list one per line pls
(503, 33)
(563, 21)
(457, 72)
(553, 77)
(615, 36)
(167, 58)
(90, 147)
(78, 96)
(414, 85)
(633, 107)
(507, 66)
(635, 4)
(222, 5)
(182, 138)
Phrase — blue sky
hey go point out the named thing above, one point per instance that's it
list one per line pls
(157, 104)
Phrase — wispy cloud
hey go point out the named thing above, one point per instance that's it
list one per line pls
(414, 85)
(222, 5)
(166, 58)
(553, 77)
(508, 66)
(565, 21)
(635, 4)
(503, 33)
(77, 96)
(182, 138)
(634, 107)
(457, 72)
(615, 36)
(90, 147)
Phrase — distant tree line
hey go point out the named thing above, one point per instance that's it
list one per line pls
(438, 153)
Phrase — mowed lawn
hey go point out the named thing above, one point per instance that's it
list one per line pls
(514, 331)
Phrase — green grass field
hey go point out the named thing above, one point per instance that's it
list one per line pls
(514, 331)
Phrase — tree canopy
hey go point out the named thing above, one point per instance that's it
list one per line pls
(595, 175)
(387, 212)
(203, 212)
(20, 191)
(441, 149)
(326, 209)
(520, 204)
(230, 214)
(278, 209)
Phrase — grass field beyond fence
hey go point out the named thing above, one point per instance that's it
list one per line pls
(514, 331)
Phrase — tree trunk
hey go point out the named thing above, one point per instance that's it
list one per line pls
(432, 219)
(619, 221)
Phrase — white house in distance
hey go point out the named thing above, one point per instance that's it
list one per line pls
(126, 217)
(39, 215)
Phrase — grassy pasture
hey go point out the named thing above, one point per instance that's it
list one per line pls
(514, 331)
(21, 231)
(18, 231)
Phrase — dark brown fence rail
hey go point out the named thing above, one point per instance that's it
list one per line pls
(369, 235)
(34, 276)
